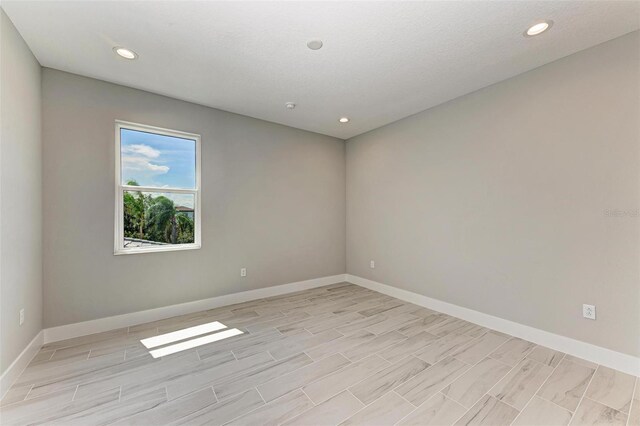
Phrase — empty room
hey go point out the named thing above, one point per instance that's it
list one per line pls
(320, 213)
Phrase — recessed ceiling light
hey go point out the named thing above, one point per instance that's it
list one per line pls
(314, 44)
(290, 105)
(344, 120)
(538, 28)
(125, 53)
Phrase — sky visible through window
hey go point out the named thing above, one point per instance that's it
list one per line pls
(157, 197)
(158, 161)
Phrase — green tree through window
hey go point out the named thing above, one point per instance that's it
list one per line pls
(158, 189)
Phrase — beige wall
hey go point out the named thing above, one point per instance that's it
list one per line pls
(497, 201)
(20, 194)
(273, 202)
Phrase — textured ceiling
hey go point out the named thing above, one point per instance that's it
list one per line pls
(381, 61)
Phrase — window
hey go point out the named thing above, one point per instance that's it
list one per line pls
(157, 189)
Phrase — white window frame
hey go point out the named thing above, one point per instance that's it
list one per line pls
(120, 189)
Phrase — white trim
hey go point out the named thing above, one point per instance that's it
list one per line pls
(607, 357)
(118, 247)
(157, 189)
(18, 365)
(69, 331)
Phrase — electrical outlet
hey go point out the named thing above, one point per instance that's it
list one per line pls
(372, 264)
(21, 316)
(589, 311)
(243, 272)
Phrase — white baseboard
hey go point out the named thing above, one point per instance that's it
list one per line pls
(20, 363)
(607, 357)
(69, 331)
(597, 354)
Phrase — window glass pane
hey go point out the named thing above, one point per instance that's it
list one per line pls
(153, 219)
(149, 159)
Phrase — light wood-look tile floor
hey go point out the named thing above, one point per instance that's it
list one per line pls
(339, 354)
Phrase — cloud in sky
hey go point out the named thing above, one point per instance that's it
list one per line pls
(142, 164)
(157, 160)
(140, 149)
(137, 158)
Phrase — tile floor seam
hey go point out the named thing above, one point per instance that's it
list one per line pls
(240, 415)
(499, 346)
(262, 397)
(540, 387)
(27, 395)
(557, 405)
(602, 403)
(469, 369)
(415, 375)
(464, 362)
(311, 400)
(464, 408)
(418, 407)
(505, 403)
(501, 362)
(453, 400)
(255, 368)
(414, 353)
(488, 392)
(326, 356)
(412, 404)
(357, 411)
(358, 399)
(404, 358)
(542, 363)
(258, 408)
(215, 395)
(633, 396)
(75, 392)
(345, 389)
(584, 394)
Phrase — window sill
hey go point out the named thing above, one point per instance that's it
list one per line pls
(119, 252)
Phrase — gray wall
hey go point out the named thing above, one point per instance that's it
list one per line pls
(20, 194)
(273, 202)
(497, 201)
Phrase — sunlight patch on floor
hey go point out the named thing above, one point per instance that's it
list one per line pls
(188, 333)
(185, 333)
